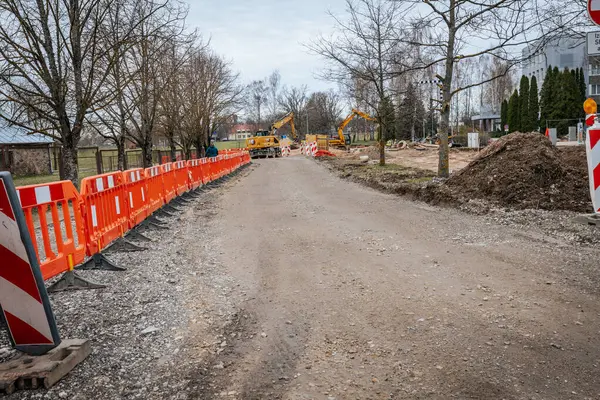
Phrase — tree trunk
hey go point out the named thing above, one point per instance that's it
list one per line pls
(444, 162)
(121, 158)
(173, 149)
(199, 153)
(381, 146)
(69, 171)
(147, 152)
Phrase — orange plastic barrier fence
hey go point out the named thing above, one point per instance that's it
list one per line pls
(169, 183)
(66, 226)
(104, 210)
(205, 171)
(154, 189)
(182, 177)
(195, 168)
(135, 195)
(62, 240)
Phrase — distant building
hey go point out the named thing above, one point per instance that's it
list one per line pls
(24, 154)
(563, 52)
(241, 132)
(487, 120)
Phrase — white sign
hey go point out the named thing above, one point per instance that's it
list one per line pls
(473, 140)
(593, 43)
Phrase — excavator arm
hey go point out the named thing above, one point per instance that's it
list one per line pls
(289, 118)
(353, 114)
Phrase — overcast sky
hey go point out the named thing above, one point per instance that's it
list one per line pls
(260, 36)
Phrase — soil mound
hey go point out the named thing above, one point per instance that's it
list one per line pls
(524, 170)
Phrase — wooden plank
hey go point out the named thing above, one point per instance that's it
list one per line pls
(27, 372)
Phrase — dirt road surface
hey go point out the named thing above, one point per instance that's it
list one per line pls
(290, 283)
(347, 293)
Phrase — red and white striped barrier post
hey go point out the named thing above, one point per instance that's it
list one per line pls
(593, 155)
(314, 148)
(23, 296)
(592, 145)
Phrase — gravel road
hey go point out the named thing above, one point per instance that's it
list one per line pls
(290, 283)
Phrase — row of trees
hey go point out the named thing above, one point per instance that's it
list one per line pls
(559, 103)
(267, 100)
(380, 42)
(124, 69)
(521, 112)
(561, 98)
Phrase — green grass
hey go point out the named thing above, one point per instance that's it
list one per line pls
(40, 179)
(233, 144)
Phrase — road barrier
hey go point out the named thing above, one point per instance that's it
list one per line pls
(135, 193)
(58, 241)
(104, 209)
(66, 226)
(593, 155)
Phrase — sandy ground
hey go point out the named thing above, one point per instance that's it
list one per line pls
(424, 159)
(290, 283)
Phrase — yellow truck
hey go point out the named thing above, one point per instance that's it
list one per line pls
(265, 144)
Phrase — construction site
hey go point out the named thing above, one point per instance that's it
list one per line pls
(402, 212)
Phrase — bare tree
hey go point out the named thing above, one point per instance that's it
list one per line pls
(365, 49)
(172, 100)
(500, 27)
(294, 100)
(324, 110)
(154, 39)
(211, 95)
(257, 96)
(54, 63)
(274, 83)
(111, 117)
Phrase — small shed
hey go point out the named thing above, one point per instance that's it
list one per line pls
(23, 153)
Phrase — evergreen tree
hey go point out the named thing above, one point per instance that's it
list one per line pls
(534, 105)
(582, 84)
(547, 96)
(524, 123)
(407, 120)
(582, 90)
(567, 100)
(513, 112)
(387, 117)
(504, 114)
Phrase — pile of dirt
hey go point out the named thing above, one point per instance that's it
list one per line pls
(371, 151)
(524, 171)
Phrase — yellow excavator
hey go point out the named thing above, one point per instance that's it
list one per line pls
(345, 140)
(266, 144)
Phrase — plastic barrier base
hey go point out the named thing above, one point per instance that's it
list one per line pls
(163, 213)
(123, 245)
(25, 372)
(149, 225)
(72, 281)
(170, 208)
(135, 235)
(99, 262)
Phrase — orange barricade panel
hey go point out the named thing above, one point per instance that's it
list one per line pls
(105, 210)
(154, 189)
(135, 190)
(195, 172)
(55, 223)
(181, 177)
(205, 171)
(169, 183)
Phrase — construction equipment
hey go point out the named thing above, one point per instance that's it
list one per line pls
(345, 140)
(266, 143)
